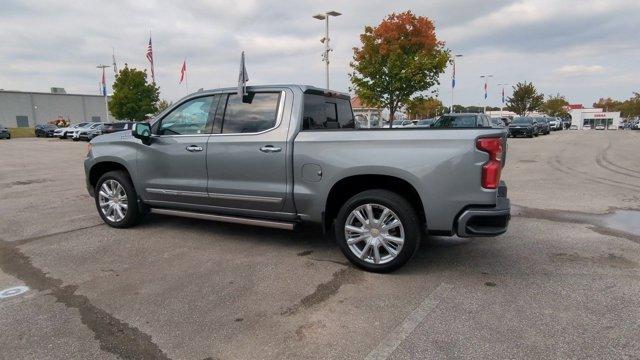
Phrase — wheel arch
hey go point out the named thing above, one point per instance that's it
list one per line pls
(103, 167)
(348, 186)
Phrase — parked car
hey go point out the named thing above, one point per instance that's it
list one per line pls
(425, 123)
(586, 127)
(45, 130)
(545, 127)
(555, 123)
(109, 128)
(283, 167)
(88, 132)
(4, 133)
(62, 133)
(525, 126)
(573, 127)
(462, 120)
(402, 124)
(600, 127)
(498, 123)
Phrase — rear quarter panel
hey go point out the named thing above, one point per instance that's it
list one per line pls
(443, 166)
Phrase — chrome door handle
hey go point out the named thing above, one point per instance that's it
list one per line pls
(270, 149)
(194, 148)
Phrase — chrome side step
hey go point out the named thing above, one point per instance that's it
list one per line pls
(225, 218)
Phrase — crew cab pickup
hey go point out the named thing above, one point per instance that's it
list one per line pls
(284, 155)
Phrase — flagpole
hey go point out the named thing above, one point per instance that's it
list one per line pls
(186, 77)
(104, 90)
(453, 79)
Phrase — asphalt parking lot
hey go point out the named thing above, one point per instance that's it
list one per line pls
(563, 282)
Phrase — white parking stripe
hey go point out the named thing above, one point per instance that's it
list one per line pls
(397, 336)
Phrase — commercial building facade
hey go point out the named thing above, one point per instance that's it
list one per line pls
(27, 109)
(583, 118)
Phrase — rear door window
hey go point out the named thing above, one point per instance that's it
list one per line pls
(258, 112)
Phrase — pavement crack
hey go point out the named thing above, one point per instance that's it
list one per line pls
(114, 335)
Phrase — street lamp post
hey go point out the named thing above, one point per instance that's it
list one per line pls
(453, 77)
(502, 106)
(486, 94)
(325, 39)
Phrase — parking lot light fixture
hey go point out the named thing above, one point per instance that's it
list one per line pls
(325, 40)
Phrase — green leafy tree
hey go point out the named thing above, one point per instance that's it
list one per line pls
(420, 107)
(525, 99)
(631, 107)
(398, 58)
(133, 97)
(162, 106)
(608, 104)
(555, 106)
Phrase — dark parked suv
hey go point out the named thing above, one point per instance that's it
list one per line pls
(525, 126)
(45, 130)
(4, 133)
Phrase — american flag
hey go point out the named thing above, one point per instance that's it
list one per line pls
(104, 84)
(183, 71)
(453, 76)
(150, 58)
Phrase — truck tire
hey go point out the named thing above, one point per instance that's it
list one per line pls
(117, 200)
(377, 230)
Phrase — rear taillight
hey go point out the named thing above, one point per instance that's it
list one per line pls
(491, 169)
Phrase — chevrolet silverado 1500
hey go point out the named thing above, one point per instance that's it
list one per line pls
(284, 155)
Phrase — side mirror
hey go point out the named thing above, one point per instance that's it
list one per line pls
(142, 131)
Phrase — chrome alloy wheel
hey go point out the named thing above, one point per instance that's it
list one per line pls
(113, 200)
(374, 233)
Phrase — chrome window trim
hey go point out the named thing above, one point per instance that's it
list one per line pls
(279, 115)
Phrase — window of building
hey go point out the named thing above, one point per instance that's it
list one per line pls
(258, 112)
(22, 121)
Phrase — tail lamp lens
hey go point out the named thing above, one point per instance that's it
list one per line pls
(491, 169)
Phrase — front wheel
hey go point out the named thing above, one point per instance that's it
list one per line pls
(377, 230)
(117, 200)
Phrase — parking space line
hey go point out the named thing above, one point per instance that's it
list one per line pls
(400, 333)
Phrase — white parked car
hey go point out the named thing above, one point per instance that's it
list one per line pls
(87, 132)
(586, 127)
(63, 133)
(402, 124)
(600, 127)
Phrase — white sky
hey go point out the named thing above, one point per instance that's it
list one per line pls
(583, 49)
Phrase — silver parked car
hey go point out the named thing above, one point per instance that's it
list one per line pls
(88, 132)
(285, 155)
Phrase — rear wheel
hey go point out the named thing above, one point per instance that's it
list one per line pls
(377, 230)
(117, 200)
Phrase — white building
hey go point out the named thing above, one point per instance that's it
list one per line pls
(594, 117)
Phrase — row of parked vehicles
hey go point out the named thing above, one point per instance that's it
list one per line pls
(530, 126)
(82, 131)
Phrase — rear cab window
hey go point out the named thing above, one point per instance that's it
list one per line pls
(327, 113)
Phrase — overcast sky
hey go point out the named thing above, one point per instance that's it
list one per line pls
(583, 49)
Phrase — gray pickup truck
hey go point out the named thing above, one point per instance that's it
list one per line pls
(284, 155)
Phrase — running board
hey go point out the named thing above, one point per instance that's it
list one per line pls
(224, 218)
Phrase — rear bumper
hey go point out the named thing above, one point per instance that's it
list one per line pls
(486, 221)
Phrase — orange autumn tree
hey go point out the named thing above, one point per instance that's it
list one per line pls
(398, 58)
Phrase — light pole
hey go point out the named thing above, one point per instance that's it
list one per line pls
(486, 81)
(325, 39)
(453, 77)
(502, 106)
(104, 90)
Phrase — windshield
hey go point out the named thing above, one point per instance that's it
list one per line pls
(448, 121)
(425, 122)
(521, 121)
(95, 126)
